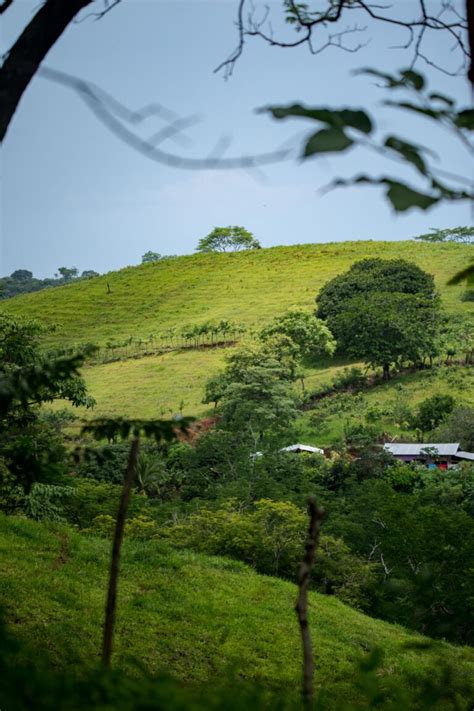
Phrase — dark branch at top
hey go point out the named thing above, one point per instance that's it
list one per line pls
(5, 5)
(25, 56)
(312, 28)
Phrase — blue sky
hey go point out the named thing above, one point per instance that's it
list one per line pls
(74, 195)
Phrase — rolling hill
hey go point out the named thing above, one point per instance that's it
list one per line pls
(249, 288)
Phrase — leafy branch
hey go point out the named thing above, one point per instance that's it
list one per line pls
(346, 128)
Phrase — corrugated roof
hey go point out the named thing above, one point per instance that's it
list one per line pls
(302, 448)
(410, 449)
(465, 455)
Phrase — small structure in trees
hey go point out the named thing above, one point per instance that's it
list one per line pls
(441, 455)
(299, 448)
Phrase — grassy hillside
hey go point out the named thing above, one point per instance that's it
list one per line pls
(194, 616)
(249, 288)
(383, 404)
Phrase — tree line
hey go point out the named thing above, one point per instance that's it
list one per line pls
(22, 281)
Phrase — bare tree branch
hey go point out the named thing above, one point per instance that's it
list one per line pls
(109, 5)
(110, 113)
(5, 5)
(29, 50)
(301, 607)
(306, 22)
(470, 37)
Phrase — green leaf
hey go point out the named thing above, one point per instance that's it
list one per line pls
(466, 274)
(465, 119)
(327, 140)
(409, 152)
(403, 197)
(337, 118)
(435, 114)
(407, 77)
(399, 194)
(413, 79)
(390, 80)
(160, 430)
(356, 119)
(441, 97)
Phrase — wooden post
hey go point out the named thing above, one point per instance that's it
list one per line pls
(301, 607)
(111, 603)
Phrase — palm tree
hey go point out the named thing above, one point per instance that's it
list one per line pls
(150, 474)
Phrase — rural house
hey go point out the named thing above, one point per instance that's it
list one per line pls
(441, 455)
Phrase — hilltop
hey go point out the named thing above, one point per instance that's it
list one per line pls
(248, 288)
(198, 617)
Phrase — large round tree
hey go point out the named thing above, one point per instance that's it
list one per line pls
(383, 312)
(372, 275)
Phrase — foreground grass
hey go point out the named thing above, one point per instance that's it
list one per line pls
(198, 618)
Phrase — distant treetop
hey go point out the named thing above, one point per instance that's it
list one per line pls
(150, 256)
(465, 235)
(228, 239)
(21, 275)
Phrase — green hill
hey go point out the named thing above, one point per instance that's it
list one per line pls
(197, 617)
(249, 288)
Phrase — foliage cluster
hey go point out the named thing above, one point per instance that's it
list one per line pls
(224, 239)
(22, 281)
(382, 311)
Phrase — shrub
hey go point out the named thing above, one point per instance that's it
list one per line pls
(45, 502)
(93, 499)
(352, 377)
(271, 538)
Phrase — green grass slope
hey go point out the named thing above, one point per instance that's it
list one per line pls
(196, 617)
(249, 288)
(383, 403)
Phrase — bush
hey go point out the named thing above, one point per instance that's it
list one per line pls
(106, 463)
(358, 436)
(352, 377)
(271, 538)
(92, 499)
(46, 502)
(142, 527)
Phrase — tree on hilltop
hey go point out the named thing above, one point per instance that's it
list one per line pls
(150, 257)
(464, 235)
(68, 273)
(228, 239)
(21, 275)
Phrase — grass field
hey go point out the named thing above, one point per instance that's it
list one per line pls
(249, 288)
(197, 617)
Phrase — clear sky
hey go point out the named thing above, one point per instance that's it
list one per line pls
(74, 195)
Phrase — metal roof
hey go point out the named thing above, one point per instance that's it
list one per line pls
(465, 455)
(302, 448)
(409, 449)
